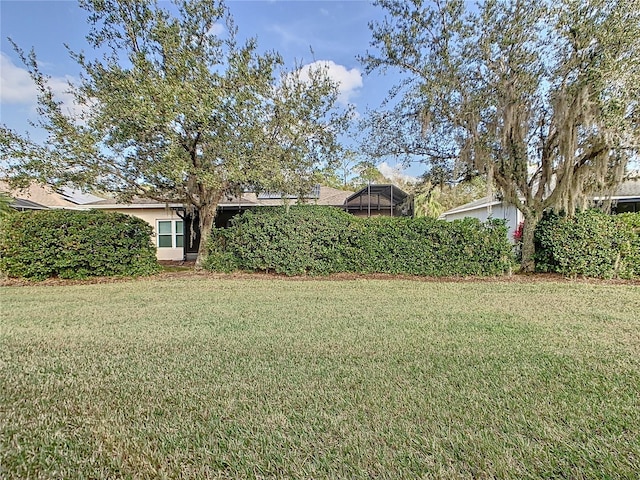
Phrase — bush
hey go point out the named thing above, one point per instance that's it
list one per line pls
(591, 243)
(322, 240)
(306, 239)
(72, 244)
(630, 251)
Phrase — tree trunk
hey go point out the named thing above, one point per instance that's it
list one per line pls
(528, 263)
(207, 216)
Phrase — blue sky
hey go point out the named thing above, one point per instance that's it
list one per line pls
(336, 31)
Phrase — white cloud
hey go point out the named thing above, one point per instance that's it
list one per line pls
(395, 173)
(18, 87)
(217, 29)
(349, 81)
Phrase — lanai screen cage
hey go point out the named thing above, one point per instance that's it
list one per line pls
(375, 200)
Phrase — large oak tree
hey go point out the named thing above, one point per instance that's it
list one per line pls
(171, 111)
(540, 96)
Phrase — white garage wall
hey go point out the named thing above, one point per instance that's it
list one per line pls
(505, 212)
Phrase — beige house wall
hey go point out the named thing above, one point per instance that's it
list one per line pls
(152, 216)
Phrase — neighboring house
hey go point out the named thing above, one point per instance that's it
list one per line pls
(626, 198)
(485, 208)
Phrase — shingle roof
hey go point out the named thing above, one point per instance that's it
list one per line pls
(333, 196)
(630, 188)
(40, 194)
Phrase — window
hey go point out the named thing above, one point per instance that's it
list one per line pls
(627, 207)
(170, 234)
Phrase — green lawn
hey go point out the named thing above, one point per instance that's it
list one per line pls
(270, 378)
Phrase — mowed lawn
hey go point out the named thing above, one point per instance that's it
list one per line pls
(276, 378)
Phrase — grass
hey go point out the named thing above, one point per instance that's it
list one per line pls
(250, 378)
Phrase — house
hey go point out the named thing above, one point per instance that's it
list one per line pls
(626, 198)
(485, 208)
(172, 223)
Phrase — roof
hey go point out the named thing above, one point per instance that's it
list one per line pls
(139, 202)
(332, 196)
(77, 196)
(22, 204)
(325, 196)
(39, 194)
(629, 189)
(483, 202)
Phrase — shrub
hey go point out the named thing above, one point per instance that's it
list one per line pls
(323, 240)
(630, 248)
(72, 244)
(591, 243)
(302, 240)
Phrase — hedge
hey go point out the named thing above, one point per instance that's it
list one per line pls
(322, 240)
(591, 243)
(75, 244)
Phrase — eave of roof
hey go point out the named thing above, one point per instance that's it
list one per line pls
(474, 205)
(131, 206)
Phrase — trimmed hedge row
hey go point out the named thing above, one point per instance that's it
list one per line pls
(318, 241)
(591, 243)
(74, 244)
(322, 240)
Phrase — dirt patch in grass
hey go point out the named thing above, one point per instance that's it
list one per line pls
(186, 270)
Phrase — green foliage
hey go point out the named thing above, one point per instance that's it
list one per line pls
(541, 96)
(5, 205)
(431, 199)
(591, 243)
(70, 244)
(630, 248)
(179, 114)
(320, 240)
(304, 239)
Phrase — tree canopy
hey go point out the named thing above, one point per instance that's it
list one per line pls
(171, 111)
(539, 96)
